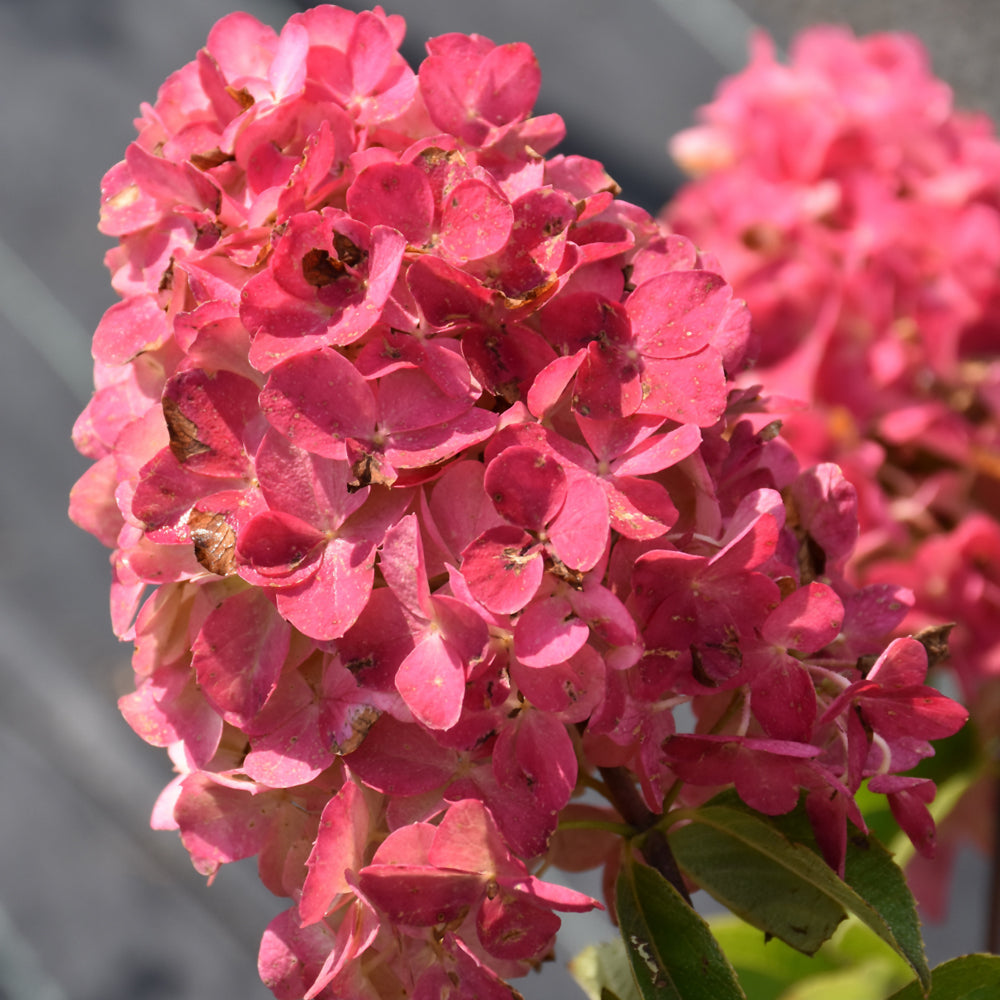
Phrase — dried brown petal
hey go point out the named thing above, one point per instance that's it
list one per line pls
(214, 541)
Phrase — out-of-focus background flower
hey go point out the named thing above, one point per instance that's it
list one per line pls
(94, 905)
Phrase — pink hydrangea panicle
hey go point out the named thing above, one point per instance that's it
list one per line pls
(430, 492)
(868, 256)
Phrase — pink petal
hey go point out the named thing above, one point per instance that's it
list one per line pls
(166, 491)
(513, 928)
(220, 824)
(431, 681)
(608, 385)
(691, 389)
(371, 50)
(430, 445)
(548, 632)
(401, 759)
(558, 897)
(460, 507)
(92, 502)
(462, 626)
(469, 84)
(409, 400)
(752, 534)
(605, 614)
(239, 653)
(340, 846)
(358, 929)
(903, 664)
(503, 568)
(527, 487)
(287, 72)
(467, 839)
(328, 604)
(659, 452)
(208, 417)
(242, 46)
(407, 845)
(444, 293)
(538, 754)
(551, 382)
(394, 194)
(827, 507)
(476, 221)
(402, 564)
(347, 711)
(124, 207)
(317, 399)
(310, 487)
(579, 533)
(677, 313)
(287, 747)
(128, 328)
(291, 754)
(280, 549)
(768, 774)
(783, 700)
(508, 81)
(806, 620)
(569, 690)
(640, 508)
(171, 183)
(418, 896)
(167, 707)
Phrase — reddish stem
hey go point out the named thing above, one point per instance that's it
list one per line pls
(655, 848)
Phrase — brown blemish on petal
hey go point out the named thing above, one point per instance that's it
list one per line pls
(242, 97)
(213, 158)
(348, 252)
(320, 269)
(934, 639)
(184, 443)
(360, 724)
(214, 542)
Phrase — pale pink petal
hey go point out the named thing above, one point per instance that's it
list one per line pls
(431, 681)
(339, 847)
(239, 653)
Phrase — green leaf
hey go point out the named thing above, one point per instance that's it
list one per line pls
(766, 968)
(972, 977)
(777, 883)
(758, 875)
(670, 947)
(859, 983)
(603, 971)
(854, 964)
(856, 944)
(870, 871)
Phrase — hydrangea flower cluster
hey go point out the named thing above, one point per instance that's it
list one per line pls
(432, 499)
(869, 253)
(859, 215)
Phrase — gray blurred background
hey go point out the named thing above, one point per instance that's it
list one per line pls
(93, 905)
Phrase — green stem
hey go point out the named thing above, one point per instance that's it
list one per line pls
(607, 825)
